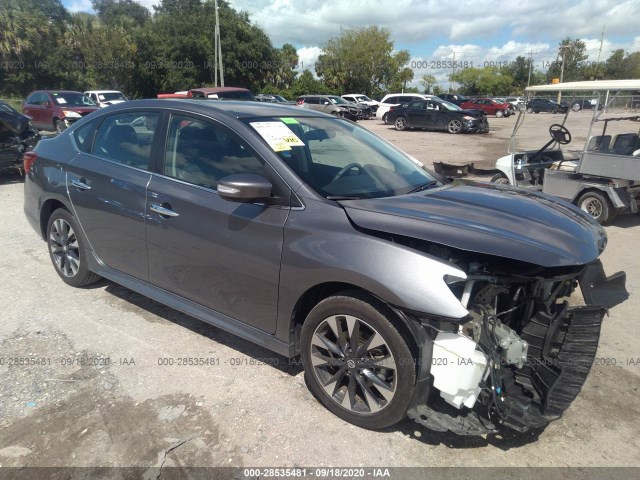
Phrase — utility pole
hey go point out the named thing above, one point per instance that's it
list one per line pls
(217, 59)
(454, 72)
(595, 74)
(562, 49)
(530, 66)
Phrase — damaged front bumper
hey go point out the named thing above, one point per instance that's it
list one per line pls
(519, 359)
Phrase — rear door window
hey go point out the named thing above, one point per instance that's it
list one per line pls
(127, 138)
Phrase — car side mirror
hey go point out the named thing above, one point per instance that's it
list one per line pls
(245, 187)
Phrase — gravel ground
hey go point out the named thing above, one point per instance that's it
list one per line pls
(88, 387)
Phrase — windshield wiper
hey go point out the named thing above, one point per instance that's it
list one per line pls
(424, 186)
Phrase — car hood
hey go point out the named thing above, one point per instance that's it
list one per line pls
(489, 219)
(80, 109)
(474, 112)
(11, 123)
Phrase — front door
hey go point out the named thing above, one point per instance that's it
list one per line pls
(220, 254)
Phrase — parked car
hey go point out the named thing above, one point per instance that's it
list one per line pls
(364, 111)
(212, 93)
(16, 136)
(436, 114)
(396, 99)
(584, 104)
(104, 98)
(267, 97)
(57, 109)
(454, 98)
(517, 103)
(488, 106)
(322, 103)
(537, 105)
(362, 99)
(309, 235)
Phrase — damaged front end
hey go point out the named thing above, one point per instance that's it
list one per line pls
(521, 355)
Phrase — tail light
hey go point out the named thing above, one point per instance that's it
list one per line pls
(391, 109)
(300, 101)
(28, 158)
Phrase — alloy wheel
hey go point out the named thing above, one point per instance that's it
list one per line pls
(354, 364)
(64, 247)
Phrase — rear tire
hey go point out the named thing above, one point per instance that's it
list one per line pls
(576, 107)
(401, 123)
(598, 206)
(554, 111)
(499, 114)
(356, 362)
(67, 250)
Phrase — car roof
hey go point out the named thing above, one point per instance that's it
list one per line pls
(102, 91)
(219, 89)
(238, 109)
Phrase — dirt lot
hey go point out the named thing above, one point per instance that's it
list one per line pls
(84, 380)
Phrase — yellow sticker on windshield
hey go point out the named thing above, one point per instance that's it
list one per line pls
(278, 135)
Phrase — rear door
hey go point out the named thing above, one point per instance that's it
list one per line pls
(221, 254)
(107, 184)
(417, 114)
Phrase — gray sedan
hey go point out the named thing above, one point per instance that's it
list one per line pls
(403, 293)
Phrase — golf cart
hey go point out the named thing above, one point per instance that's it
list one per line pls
(603, 177)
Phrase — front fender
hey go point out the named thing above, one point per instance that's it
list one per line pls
(331, 250)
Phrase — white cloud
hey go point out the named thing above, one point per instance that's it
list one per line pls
(307, 57)
(80, 6)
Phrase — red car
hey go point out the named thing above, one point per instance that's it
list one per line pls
(224, 93)
(57, 109)
(488, 105)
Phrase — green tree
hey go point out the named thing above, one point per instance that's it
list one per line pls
(482, 81)
(128, 13)
(574, 53)
(361, 59)
(429, 83)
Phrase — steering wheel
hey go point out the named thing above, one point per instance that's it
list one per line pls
(560, 134)
(343, 171)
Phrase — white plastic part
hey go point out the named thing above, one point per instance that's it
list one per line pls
(457, 369)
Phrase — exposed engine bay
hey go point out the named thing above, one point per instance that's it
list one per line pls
(522, 354)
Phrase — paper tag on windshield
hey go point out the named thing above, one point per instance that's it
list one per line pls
(61, 100)
(278, 135)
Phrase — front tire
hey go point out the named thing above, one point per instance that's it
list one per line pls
(529, 110)
(401, 124)
(58, 125)
(554, 111)
(576, 107)
(454, 126)
(356, 362)
(598, 206)
(67, 250)
(500, 178)
(385, 118)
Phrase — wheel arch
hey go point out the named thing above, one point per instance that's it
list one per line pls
(47, 209)
(314, 295)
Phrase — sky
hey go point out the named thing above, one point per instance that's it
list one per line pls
(480, 32)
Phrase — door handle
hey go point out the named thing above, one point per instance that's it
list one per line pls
(80, 185)
(162, 210)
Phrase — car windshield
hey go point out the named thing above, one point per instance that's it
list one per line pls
(364, 98)
(72, 99)
(338, 100)
(280, 98)
(110, 96)
(450, 106)
(339, 159)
